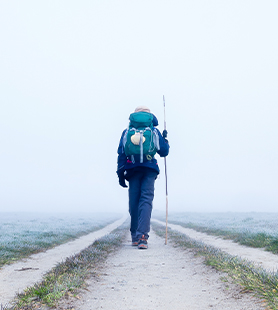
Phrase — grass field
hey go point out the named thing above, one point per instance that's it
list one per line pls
(24, 234)
(251, 229)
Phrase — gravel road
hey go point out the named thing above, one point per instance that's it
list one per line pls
(162, 277)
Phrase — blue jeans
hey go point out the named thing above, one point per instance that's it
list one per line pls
(141, 194)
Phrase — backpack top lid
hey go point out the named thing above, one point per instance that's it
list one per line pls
(140, 120)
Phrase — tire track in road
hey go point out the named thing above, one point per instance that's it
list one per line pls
(16, 277)
(261, 258)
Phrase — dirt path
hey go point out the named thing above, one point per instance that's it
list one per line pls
(162, 277)
(16, 277)
(266, 260)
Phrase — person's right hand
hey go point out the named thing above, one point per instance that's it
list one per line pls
(122, 181)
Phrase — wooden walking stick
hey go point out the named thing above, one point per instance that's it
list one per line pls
(166, 232)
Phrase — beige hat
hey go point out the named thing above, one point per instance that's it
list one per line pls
(142, 108)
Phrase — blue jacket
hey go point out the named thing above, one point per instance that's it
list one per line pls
(125, 165)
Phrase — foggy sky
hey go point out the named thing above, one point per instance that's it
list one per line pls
(72, 71)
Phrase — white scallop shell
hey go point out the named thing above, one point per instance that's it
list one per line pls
(135, 139)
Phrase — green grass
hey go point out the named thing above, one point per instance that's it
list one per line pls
(256, 240)
(68, 277)
(262, 284)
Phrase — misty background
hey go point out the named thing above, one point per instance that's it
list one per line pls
(71, 72)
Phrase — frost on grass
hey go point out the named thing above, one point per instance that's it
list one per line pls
(25, 234)
(251, 229)
(253, 222)
(69, 276)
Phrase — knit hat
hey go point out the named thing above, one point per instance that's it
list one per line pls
(142, 108)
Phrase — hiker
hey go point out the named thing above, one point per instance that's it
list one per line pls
(137, 165)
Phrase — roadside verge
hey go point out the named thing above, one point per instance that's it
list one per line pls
(263, 259)
(16, 277)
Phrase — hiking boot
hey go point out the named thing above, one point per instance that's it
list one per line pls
(142, 243)
(134, 243)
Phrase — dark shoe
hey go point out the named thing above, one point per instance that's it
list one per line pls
(134, 243)
(142, 243)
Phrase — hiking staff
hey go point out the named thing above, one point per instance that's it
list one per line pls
(165, 131)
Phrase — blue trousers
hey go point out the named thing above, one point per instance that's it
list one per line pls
(141, 194)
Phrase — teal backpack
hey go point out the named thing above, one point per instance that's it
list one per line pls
(141, 140)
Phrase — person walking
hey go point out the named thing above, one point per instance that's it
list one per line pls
(136, 163)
